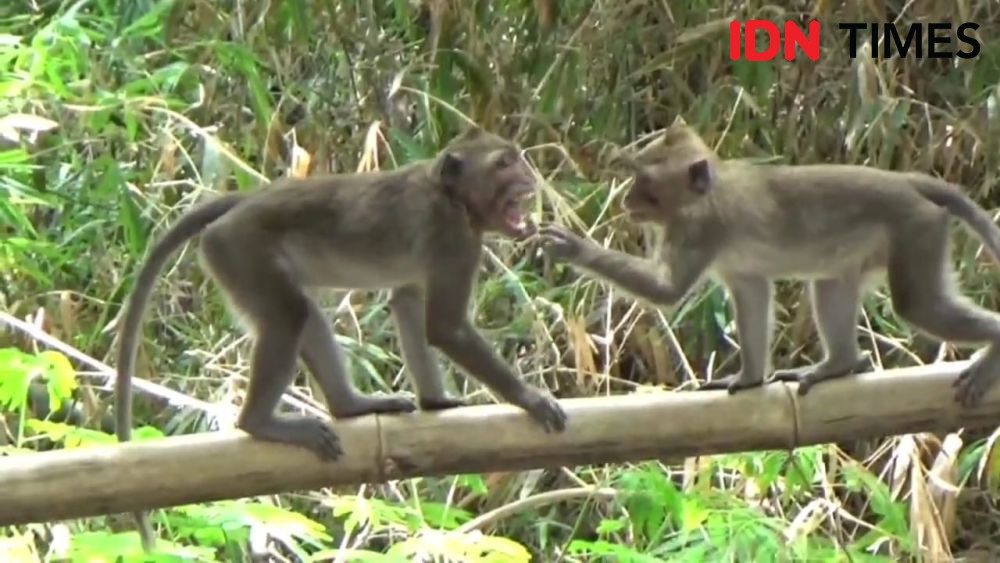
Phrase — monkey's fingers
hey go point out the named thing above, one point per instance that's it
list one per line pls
(554, 231)
(321, 439)
(970, 386)
(558, 247)
(331, 449)
(547, 411)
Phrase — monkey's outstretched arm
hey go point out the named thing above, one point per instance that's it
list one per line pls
(643, 278)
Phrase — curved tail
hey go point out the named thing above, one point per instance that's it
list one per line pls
(962, 206)
(185, 228)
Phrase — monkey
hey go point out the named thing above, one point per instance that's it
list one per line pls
(416, 231)
(838, 227)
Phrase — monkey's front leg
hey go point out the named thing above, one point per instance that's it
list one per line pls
(464, 345)
(408, 311)
(325, 361)
(752, 297)
(450, 330)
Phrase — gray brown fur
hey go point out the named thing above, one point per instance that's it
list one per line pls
(836, 226)
(416, 231)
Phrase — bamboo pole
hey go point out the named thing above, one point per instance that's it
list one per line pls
(218, 465)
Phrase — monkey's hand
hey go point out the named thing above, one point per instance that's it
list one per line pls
(561, 244)
(544, 408)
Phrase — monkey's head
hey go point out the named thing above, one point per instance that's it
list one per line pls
(488, 176)
(669, 174)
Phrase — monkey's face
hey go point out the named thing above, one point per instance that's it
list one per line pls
(663, 189)
(669, 175)
(642, 201)
(490, 177)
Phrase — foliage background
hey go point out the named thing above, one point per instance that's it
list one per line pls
(120, 115)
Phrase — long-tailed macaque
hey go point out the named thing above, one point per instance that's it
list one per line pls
(837, 226)
(416, 231)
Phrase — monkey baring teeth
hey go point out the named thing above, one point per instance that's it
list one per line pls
(516, 218)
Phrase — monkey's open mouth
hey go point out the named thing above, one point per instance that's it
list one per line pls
(515, 218)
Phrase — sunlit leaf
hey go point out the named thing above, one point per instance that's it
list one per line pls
(59, 375)
(608, 527)
(16, 371)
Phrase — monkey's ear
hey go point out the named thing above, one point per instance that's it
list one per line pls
(700, 176)
(449, 169)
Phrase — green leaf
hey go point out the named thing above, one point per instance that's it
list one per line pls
(608, 527)
(16, 371)
(59, 375)
(694, 515)
(472, 481)
(149, 24)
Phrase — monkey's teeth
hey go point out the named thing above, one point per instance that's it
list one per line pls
(516, 219)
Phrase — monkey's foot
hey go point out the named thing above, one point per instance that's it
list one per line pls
(544, 408)
(376, 404)
(307, 432)
(974, 382)
(441, 403)
(807, 376)
(732, 383)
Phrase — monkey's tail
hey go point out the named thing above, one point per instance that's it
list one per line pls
(185, 228)
(952, 198)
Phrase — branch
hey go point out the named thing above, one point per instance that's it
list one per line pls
(217, 465)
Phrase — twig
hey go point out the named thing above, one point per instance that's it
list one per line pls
(548, 497)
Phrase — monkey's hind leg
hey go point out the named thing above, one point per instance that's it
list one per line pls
(835, 307)
(923, 295)
(264, 292)
(325, 361)
(752, 297)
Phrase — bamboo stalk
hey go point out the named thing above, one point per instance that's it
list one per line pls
(218, 465)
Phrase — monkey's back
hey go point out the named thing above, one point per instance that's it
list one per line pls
(811, 221)
(350, 231)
